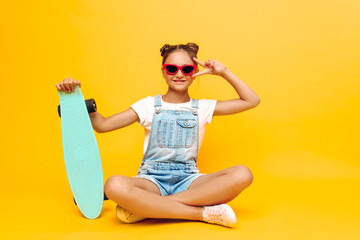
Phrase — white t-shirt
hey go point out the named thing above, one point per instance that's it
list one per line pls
(145, 110)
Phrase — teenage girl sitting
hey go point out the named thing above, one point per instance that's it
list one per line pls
(168, 183)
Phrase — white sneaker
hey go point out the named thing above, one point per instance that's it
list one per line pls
(221, 214)
(127, 217)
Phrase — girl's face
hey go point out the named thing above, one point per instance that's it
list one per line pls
(178, 58)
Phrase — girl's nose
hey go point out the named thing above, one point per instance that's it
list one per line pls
(179, 74)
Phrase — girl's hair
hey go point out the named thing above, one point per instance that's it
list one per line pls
(190, 48)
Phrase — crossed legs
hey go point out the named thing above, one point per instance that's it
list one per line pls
(142, 197)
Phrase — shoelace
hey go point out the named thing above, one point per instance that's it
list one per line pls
(214, 214)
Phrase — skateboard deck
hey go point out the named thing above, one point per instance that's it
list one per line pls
(81, 154)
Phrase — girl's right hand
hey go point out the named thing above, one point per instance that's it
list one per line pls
(67, 85)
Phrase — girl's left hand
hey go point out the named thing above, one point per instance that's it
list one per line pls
(211, 67)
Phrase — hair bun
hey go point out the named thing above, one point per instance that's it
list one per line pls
(194, 47)
(164, 48)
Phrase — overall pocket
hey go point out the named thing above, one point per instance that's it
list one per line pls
(179, 133)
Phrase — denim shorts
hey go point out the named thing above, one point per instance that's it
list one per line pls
(170, 177)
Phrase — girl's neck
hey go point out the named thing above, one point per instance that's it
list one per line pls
(176, 97)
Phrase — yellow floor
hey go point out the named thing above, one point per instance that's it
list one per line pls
(282, 203)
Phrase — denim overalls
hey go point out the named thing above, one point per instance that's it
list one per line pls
(171, 154)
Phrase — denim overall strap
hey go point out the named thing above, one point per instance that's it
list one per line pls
(195, 106)
(195, 103)
(157, 103)
(157, 100)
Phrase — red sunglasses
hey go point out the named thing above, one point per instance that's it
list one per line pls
(173, 69)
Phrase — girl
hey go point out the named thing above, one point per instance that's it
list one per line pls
(168, 183)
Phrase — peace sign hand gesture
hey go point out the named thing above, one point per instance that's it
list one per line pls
(211, 67)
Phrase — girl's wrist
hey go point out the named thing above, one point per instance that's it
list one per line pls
(225, 73)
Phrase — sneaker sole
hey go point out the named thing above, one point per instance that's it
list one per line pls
(120, 213)
(231, 215)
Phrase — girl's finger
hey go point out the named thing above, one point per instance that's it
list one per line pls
(206, 71)
(72, 86)
(209, 63)
(71, 83)
(67, 86)
(61, 84)
(78, 83)
(199, 62)
(58, 87)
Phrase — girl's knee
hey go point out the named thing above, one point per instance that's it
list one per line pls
(116, 184)
(241, 176)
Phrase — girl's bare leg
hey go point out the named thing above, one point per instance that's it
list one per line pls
(215, 188)
(142, 198)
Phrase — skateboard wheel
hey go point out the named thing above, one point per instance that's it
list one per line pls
(90, 105)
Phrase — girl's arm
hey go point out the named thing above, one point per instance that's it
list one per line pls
(247, 97)
(99, 123)
(119, 120)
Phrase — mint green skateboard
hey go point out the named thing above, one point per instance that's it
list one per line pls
(81, 153)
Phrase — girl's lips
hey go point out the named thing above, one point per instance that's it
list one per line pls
(179, 81)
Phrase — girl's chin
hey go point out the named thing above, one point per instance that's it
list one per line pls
(178, 88)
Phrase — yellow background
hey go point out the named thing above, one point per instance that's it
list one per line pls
(300, 57)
